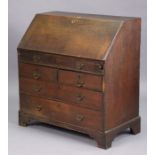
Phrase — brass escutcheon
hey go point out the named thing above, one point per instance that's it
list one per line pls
(79, 83)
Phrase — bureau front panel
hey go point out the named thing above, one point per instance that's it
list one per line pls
(58, 111)
(64, 62)
(78, 96)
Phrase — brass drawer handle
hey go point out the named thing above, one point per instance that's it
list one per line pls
(38, 108)
(80, 98)
(36, 58)
(37, 89)
(99, 66)
(80, 84)
(80, 66)
(79, 117)
(36, 75)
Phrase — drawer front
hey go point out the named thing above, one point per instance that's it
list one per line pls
(64, 62)
(38, 72)
(81, 80)
(81, 97)
(58, 111)
(72, 95)
(38, 88)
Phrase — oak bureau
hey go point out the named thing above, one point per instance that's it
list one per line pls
(81, 72)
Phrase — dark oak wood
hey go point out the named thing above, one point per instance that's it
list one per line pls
(122, 76)
(72, 36)
(55, 110)
(64, 93)
(81, 80)
(81, 72)
(37, 72)
(59, 61)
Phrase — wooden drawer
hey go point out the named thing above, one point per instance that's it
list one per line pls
(78, 79)
(81, 97)
(38, 88)
(38, 72)
(64, 62)
(62, 112)
(69, 94)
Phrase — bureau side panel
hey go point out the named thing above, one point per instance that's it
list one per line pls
(122, 76)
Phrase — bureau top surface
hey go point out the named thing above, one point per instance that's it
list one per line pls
(72, 34)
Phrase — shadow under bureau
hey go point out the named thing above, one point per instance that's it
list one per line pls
(81, 72)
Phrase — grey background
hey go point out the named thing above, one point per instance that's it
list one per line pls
(46, 140)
